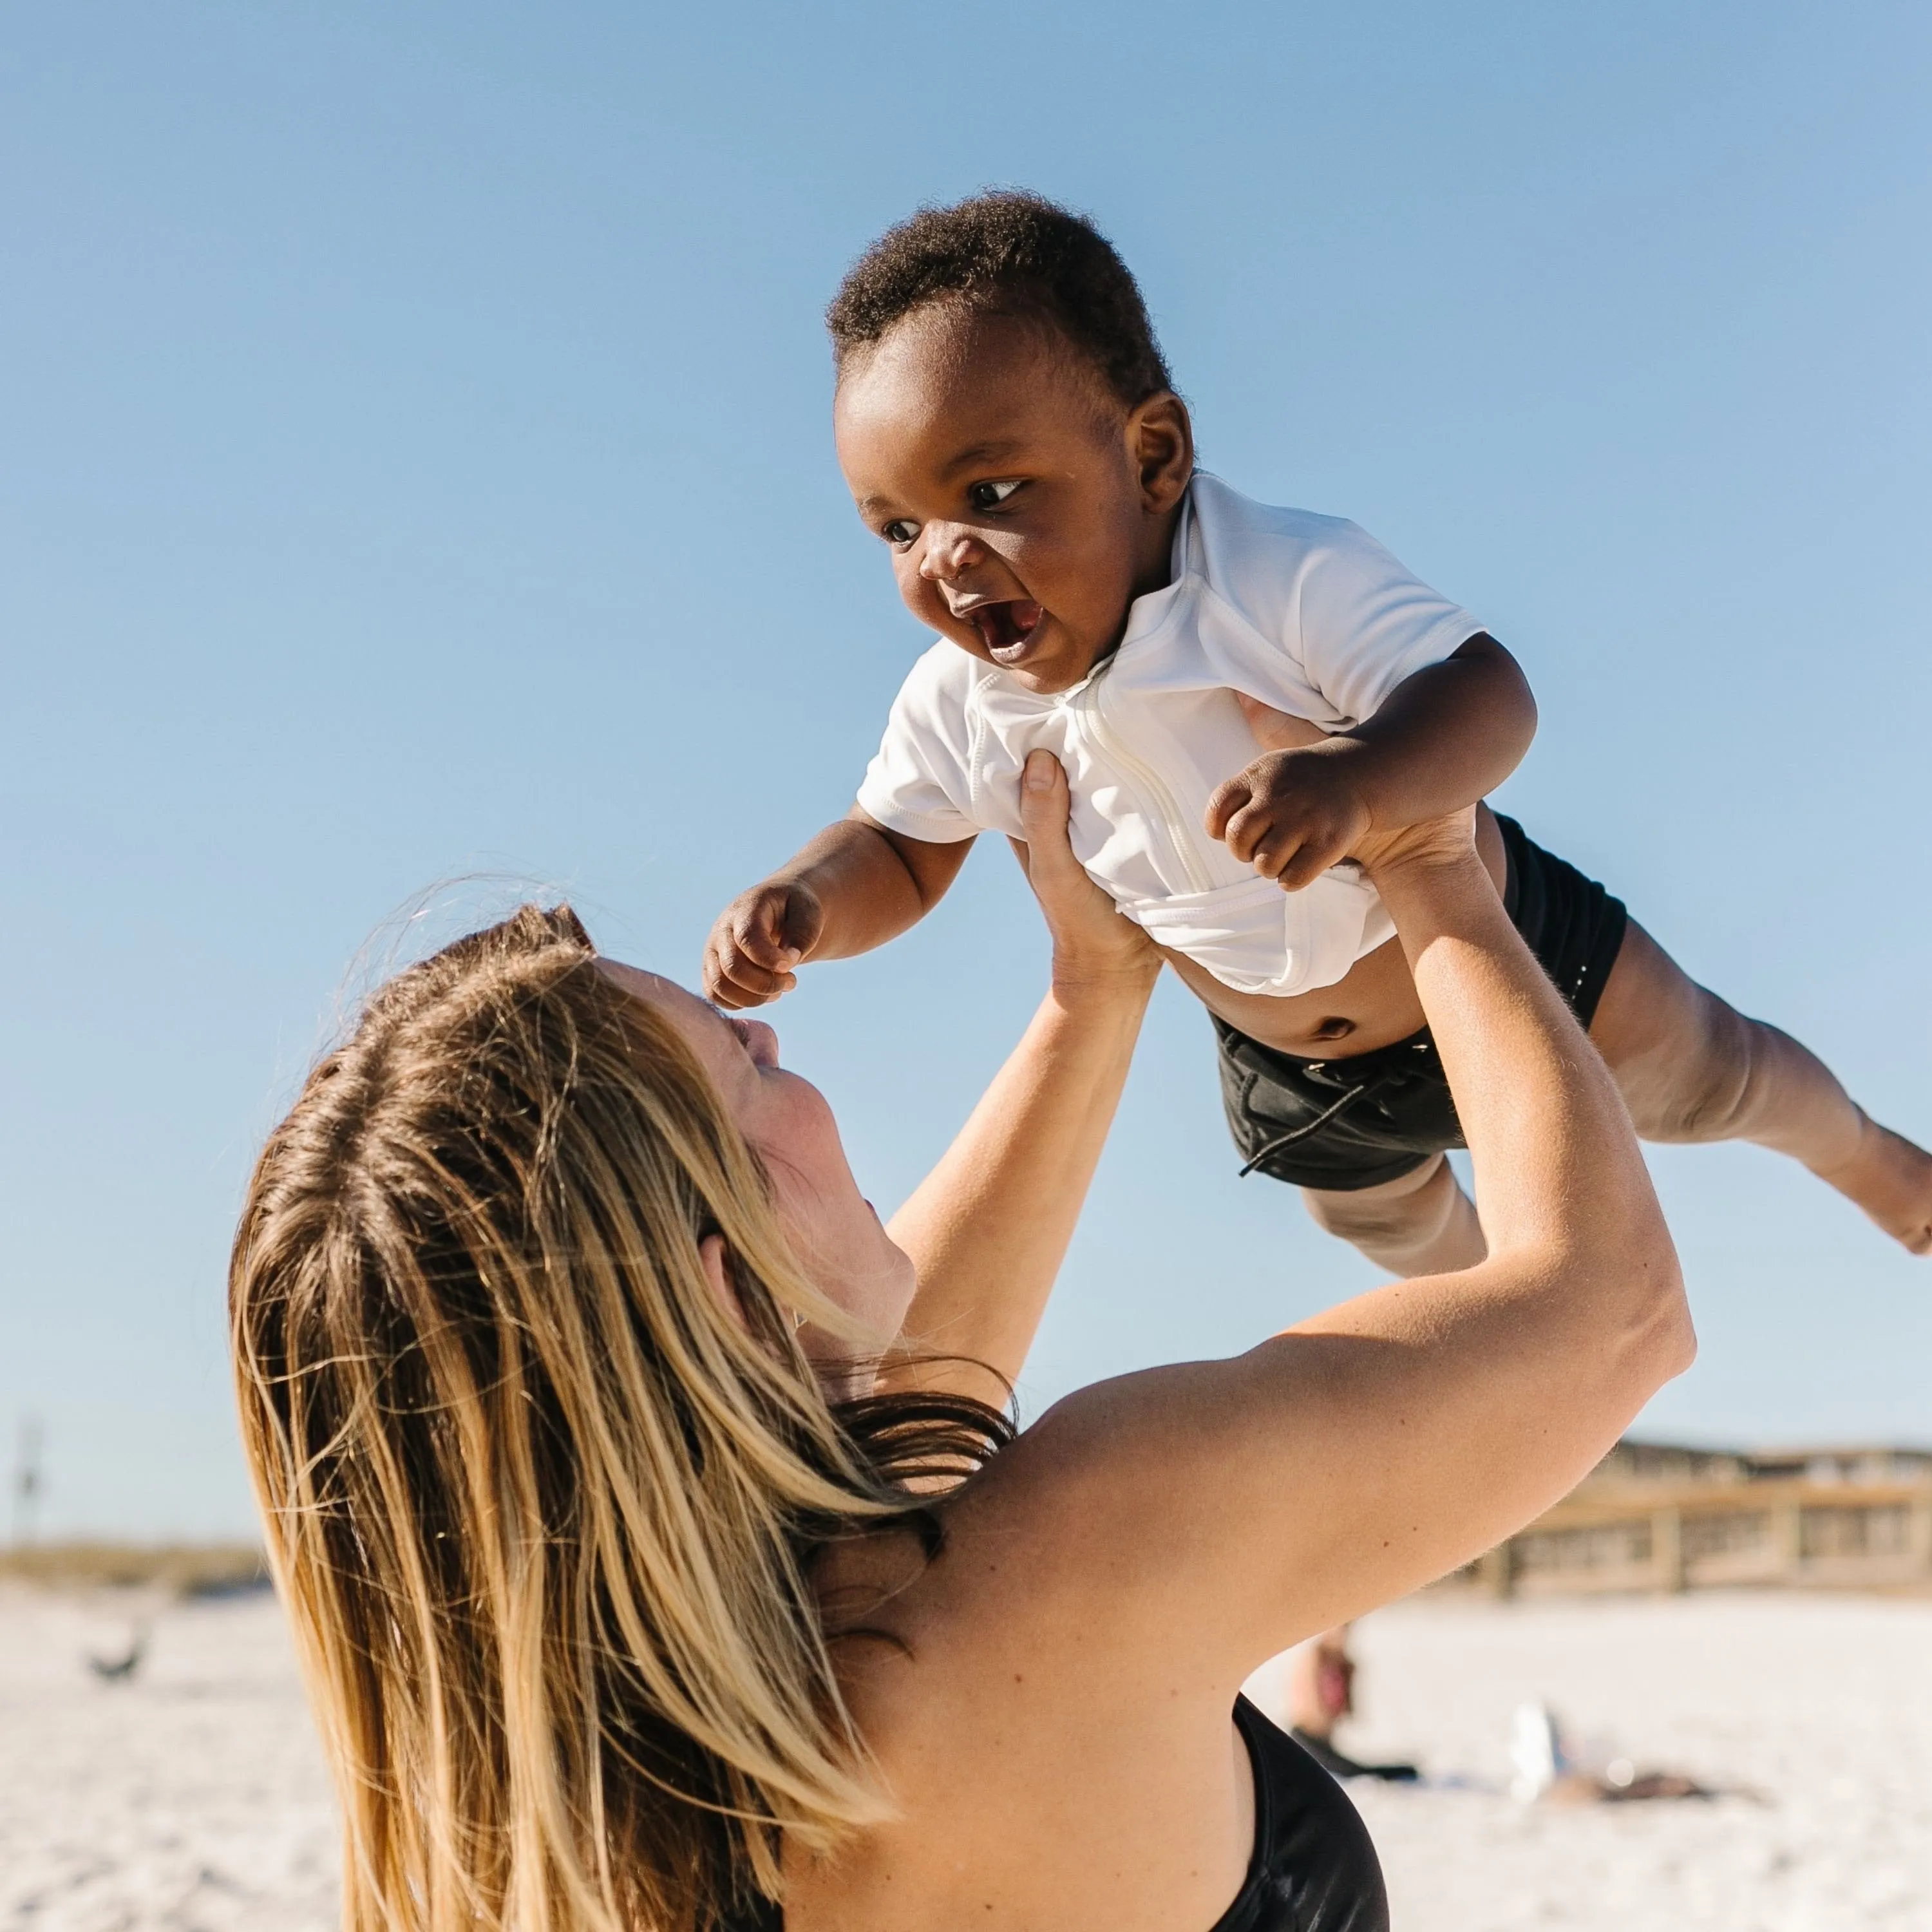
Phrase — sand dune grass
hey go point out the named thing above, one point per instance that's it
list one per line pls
(181, 1569)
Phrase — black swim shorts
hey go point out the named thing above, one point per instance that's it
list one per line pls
(1345, 1124)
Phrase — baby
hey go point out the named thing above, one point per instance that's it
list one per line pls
(1009, 430)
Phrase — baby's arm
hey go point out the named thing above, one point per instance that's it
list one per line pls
(853, 887)
(1443, 738)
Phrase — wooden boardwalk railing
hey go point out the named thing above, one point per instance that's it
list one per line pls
(1669, 1537)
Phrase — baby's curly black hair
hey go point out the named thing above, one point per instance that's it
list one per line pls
(1007, 251)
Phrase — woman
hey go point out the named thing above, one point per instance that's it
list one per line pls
(634, 1590)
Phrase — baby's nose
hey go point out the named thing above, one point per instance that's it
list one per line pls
(948, 550)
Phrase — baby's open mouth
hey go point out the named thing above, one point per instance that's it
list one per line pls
(1005, 629)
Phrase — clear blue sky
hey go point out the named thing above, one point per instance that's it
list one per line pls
(414, 465)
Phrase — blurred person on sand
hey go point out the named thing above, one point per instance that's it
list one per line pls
(656, 1558)
(1238, 693)
(1549, 1767)
(1314, 1687)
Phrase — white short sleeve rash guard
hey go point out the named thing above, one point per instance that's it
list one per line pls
(1308, 613)
(919, 783)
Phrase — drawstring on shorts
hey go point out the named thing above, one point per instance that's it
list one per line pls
(1332, 1112)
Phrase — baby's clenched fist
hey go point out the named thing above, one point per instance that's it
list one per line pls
(760, 937)
(1292, 814)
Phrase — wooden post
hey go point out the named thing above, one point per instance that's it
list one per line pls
(1787, 1530)
(1918, 1530)
(1667, 1548)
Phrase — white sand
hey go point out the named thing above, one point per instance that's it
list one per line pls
(193, 1798)
(1822, 1706)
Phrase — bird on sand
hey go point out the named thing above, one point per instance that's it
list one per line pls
(120, 1669)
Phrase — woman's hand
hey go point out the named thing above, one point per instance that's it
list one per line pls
(1449, 840)
(1093, 944)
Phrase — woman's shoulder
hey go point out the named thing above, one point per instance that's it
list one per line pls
(1037, 1574)
(1024, 1762)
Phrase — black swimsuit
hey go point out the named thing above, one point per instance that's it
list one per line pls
(1314, 1869)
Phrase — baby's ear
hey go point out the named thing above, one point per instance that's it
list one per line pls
(1277, 731)
(1160, 439)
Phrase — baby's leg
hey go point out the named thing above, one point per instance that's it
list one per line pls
(1419, 1223)
(1693, 1068)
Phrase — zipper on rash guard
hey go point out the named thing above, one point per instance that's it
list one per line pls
(1156, 800)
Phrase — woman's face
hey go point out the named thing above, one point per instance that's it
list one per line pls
(832, 1228)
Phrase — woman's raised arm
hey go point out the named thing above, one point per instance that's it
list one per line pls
(1203, 1516)
(987, 1228)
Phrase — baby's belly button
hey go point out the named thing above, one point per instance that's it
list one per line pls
(1274, 1023)
(1330, 1019)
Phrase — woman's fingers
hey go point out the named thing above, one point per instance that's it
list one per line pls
(1087, 931)
(1453, 835)
(1277, 731)
(1046, 804)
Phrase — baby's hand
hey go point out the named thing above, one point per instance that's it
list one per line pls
(1297, 809)
(760, 937)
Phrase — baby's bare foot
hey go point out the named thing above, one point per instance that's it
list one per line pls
(1891, 1180)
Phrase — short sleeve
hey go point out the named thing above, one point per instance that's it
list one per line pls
(919, 783)
(1363, 623)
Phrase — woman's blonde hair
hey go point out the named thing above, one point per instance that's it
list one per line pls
(541, 1507)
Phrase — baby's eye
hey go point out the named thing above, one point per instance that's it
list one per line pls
(899, 532)
(989, 496)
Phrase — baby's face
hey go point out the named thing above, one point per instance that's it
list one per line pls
(1025, 507)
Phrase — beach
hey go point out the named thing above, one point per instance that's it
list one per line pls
(191, 1797)
(1814, 1713)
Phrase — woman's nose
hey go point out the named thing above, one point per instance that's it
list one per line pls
(948, 550)
(761, 1042)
